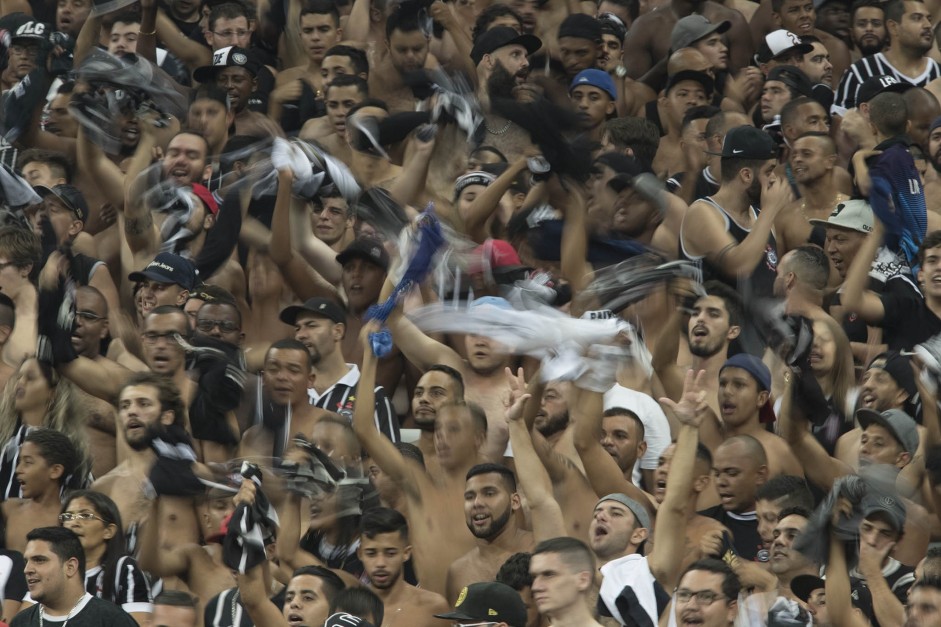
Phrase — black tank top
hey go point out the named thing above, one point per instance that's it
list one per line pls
(760, 282)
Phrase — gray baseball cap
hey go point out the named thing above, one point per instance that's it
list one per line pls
(694, 27)
(639, 511)
(900, 425)
(889, 506)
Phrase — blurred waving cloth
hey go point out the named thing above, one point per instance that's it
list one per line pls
(250, 528)
(898, 200)
(427, 243)
(123, 86)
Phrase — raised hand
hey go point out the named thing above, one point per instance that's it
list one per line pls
(517, 396)
(692, 403)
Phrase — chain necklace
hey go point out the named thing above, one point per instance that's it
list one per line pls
(836, 200)
(502, 131)
(235, 598)
(67, 616)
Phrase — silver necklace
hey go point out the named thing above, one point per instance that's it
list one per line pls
(67, 616)
(500, 132)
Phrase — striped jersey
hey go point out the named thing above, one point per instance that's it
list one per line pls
(341, 397)
(876, 65)
(131, 588)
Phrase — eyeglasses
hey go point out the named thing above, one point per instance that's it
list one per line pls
(152, 338)
(81, 517)
(703, 597)
(24, 50)
(228, 34)
(89, 316)
(226, 326)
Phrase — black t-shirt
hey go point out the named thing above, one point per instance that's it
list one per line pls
(744, 528)
(91, 612)
(907, 321)
(12, 578)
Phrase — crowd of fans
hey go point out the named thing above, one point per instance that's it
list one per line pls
(378, 313)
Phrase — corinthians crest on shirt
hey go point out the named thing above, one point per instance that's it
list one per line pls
(345, 408)
(771, 257)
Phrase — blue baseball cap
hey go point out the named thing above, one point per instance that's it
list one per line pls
(595, 78)
(753, 366)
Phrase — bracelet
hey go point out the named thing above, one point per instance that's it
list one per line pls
(143, 34)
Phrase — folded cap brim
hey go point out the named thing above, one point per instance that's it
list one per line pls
(456, 616)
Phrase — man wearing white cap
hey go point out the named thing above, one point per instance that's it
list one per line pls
(780, 47)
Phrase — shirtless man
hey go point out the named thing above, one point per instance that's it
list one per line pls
(91, 327)
(648, 40)
(319, 31)
(799, 17)
(286, 377)
(491, 507)
(340, 96)
(501, 56)
(47, 457)
(684, 90)
(434, 501)
(369, 167)
(744, 402)
(145, 400)
(482, 371)
(714, 321)
(813, 164)
(440, 385)
(408, 52)
(384, 548)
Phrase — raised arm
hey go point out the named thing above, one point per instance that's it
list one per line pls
(191, 53)
(253, 589)
(704, 233)
(670, 528)
(140, 232)
(837, 586)
(603, 473)
(574, 253)
(377, 446)
(821, 469)
(855, 296)
(409, 185)
(305, 282)
(487, 201)
(421, 350)
(546, 513)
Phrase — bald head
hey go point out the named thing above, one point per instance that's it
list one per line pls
(744, 445)
(923, 108)
(687, 59)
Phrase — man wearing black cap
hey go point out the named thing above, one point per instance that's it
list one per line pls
(684, 90)
(579, 44)
(909, 26)
(22, 55)
(167, 280)
(235, 70)
(723, 231)
(490, 603)
(784, 83)
(888, 383)
(649, 39)
(501, 56)
(320, 325)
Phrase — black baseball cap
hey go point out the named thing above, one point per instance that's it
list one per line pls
(31, 29)
(748, 142)
(343, 619)
(168, 268)
(875, 85)
(69, 195)
(500, 36)
(488, 601)
(230, 56)
(626, 169)
(318, 306)
(366, 248)
(794, 78)
(803, 585)
(702, 78)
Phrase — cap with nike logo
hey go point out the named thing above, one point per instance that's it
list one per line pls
(748, 142)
